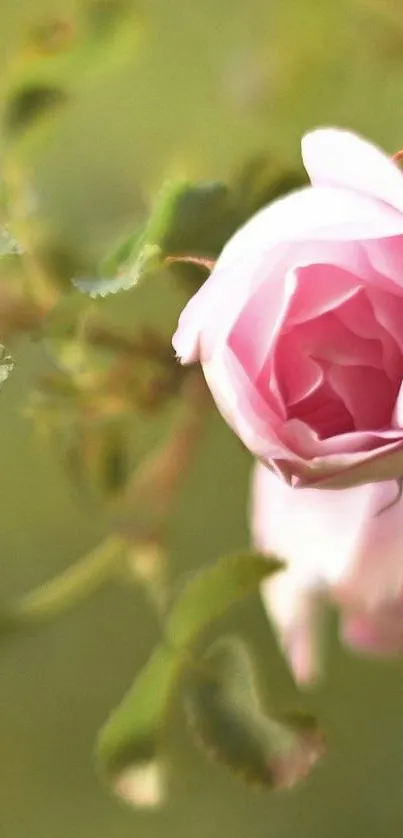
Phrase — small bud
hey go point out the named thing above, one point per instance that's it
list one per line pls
(141, 785)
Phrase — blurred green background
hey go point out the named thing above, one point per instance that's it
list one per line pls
(213, 83)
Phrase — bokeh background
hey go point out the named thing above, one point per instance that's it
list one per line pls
(212, 84)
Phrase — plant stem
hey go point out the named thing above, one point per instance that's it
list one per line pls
(66, 590)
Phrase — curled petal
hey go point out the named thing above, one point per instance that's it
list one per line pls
(341, 159)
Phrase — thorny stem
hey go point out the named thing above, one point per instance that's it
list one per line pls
(200, 261)
(154, 489)
(155, 483)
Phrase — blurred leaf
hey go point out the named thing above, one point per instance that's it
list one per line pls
(9, 246)
(147, 564)
(200, 218)
(212, 591)
(6, 365)
(130, 738)
(65, 591)
(194, 218)
(223, 709)
(61, 58)
(58, 261)
(187, 219)
(135, 268)
(115, 470)
(29, 104)
(226, 717)
(61, 332)
(131, 734)
(126, 250)
(188, 227)
(97, 458)
(262, 180)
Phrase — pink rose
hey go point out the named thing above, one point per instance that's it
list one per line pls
(299, 327)
(347, 546)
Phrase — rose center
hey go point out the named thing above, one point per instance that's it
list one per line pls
(340, 371)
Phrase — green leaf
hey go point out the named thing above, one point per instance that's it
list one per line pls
(135, 268)
(58, 261)
(262, 180)
(194, 218)
(226, 717)
(125, 251)
(130, 738)
(187, 219)
(212, 591)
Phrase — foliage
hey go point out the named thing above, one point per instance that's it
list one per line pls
(105, 402)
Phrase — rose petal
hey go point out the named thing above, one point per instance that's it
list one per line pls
(298, 376)
(265, 311)
(303, 226)
(241, 404)
(342, 159)
(367, 393)
(329, 417)
(328, 339)
(388, 310)
(383, 259)
(357, 313)
(316, 532)
(370, 458)
(344, 543)
(397, 418)
(373, 579)
(295, 613)
(320, 288)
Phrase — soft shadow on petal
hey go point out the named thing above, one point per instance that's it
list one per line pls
(367, 393)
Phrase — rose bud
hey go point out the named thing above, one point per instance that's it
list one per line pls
(299, 327)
